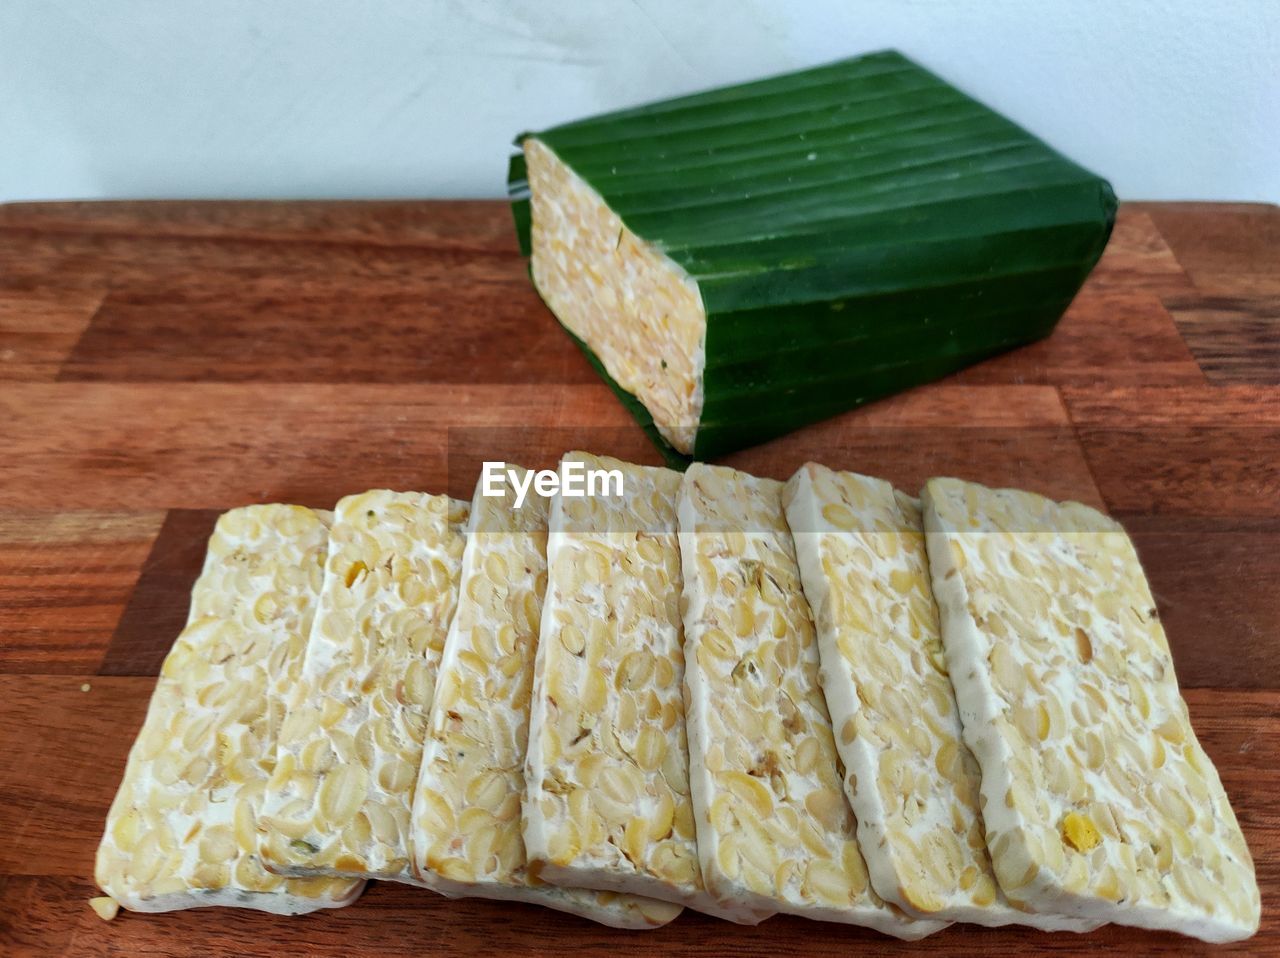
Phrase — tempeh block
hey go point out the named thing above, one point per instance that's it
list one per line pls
(466, 815)
(744, 260)
(350, 746)
(911, 780)
(775, 830)
(181, 831)
(607, 773)
(1099, 801)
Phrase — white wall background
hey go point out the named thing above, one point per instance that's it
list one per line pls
(1177, 99)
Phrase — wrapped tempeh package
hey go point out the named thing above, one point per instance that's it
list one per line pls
(743, 261)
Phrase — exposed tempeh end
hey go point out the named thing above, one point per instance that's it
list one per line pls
(775, 831)
(181, 831)
(1098, 799)
(607, 791)
(636, 308)
(466, 815)
(351, 742)
(911, 780)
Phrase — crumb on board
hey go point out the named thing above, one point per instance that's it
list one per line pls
(105, 907)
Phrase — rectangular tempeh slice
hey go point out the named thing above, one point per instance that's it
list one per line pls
(350, 746)
(1098, 799)
(466, 815)
(911, 780)
(180, 833)
(775, 830)
(607, 773)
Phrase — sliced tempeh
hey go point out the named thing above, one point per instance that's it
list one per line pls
(466, 816)
(1098, 799)
(180, 833)
(350, 746)
(775, 830)
(911, 780)
(607, 788)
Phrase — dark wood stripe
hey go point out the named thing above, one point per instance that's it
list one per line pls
(39, 328)
(1236, 339)
(458, 224)
(214, 445)
(158, 607)
(267, 330)
(64, 581)
(1190, 451)
(1214, 583)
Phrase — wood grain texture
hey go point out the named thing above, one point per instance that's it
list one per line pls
(262, 331)
(157, 609)
(1186, 451)
(1228, 248)
(214, 445)
(161, 362)
(64, 581)
(39, 330)
(1138, 257)
(1006, 435)
(1105, 338)
(1214, 581)
(1235, 338)
(482, 226)
(57, 775)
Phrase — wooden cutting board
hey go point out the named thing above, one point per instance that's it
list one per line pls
(161, 362)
